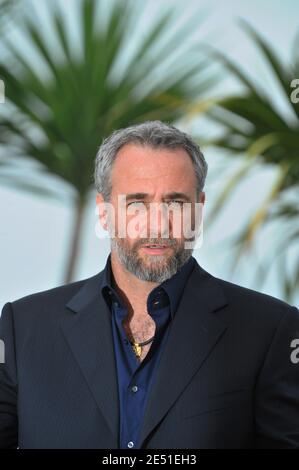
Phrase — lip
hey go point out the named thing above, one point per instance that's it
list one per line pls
(155, 251)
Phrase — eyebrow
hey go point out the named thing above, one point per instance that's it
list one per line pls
(172, 195)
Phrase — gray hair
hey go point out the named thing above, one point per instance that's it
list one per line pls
(154, 134)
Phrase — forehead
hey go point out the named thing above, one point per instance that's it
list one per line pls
(146, 167)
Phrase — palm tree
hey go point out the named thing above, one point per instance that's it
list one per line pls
(255, 128)
(60, 111)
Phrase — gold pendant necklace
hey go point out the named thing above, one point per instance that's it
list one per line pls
(137, 347)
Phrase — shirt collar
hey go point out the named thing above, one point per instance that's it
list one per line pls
(169, 291)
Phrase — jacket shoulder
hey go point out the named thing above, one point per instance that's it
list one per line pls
(49, 300)
(257, 305)
(248, 294)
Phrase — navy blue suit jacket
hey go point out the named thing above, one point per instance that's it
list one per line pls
(225, 380)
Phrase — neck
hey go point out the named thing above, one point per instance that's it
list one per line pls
(133, 291)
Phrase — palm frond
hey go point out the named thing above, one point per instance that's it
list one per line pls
(253, 127)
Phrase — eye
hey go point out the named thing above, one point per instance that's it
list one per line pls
(136, 203)
(175, 202)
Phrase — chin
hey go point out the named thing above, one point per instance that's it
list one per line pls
(157, 260)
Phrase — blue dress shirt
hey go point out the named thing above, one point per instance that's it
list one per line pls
(134, 378)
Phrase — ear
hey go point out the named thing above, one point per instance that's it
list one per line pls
(202, 197)
(102, 210)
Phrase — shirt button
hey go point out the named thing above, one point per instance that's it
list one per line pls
(134, 389)
(130, 444)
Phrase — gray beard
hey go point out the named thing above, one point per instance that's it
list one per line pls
(159, 270)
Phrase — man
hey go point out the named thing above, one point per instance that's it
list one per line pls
(153, 351)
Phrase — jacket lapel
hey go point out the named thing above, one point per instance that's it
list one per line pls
(88, 332)
(195, 331)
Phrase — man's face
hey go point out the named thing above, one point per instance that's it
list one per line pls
(152, 180)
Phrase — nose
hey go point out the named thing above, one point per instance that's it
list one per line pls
(158, 220)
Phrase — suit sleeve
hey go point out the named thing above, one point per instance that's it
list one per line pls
(277, 389)
(8, 382)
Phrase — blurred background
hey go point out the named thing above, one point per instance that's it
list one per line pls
(75, 70)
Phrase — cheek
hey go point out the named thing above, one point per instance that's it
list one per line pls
(137, 226)
(176, 224)
(132, 224)
(181, 222)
